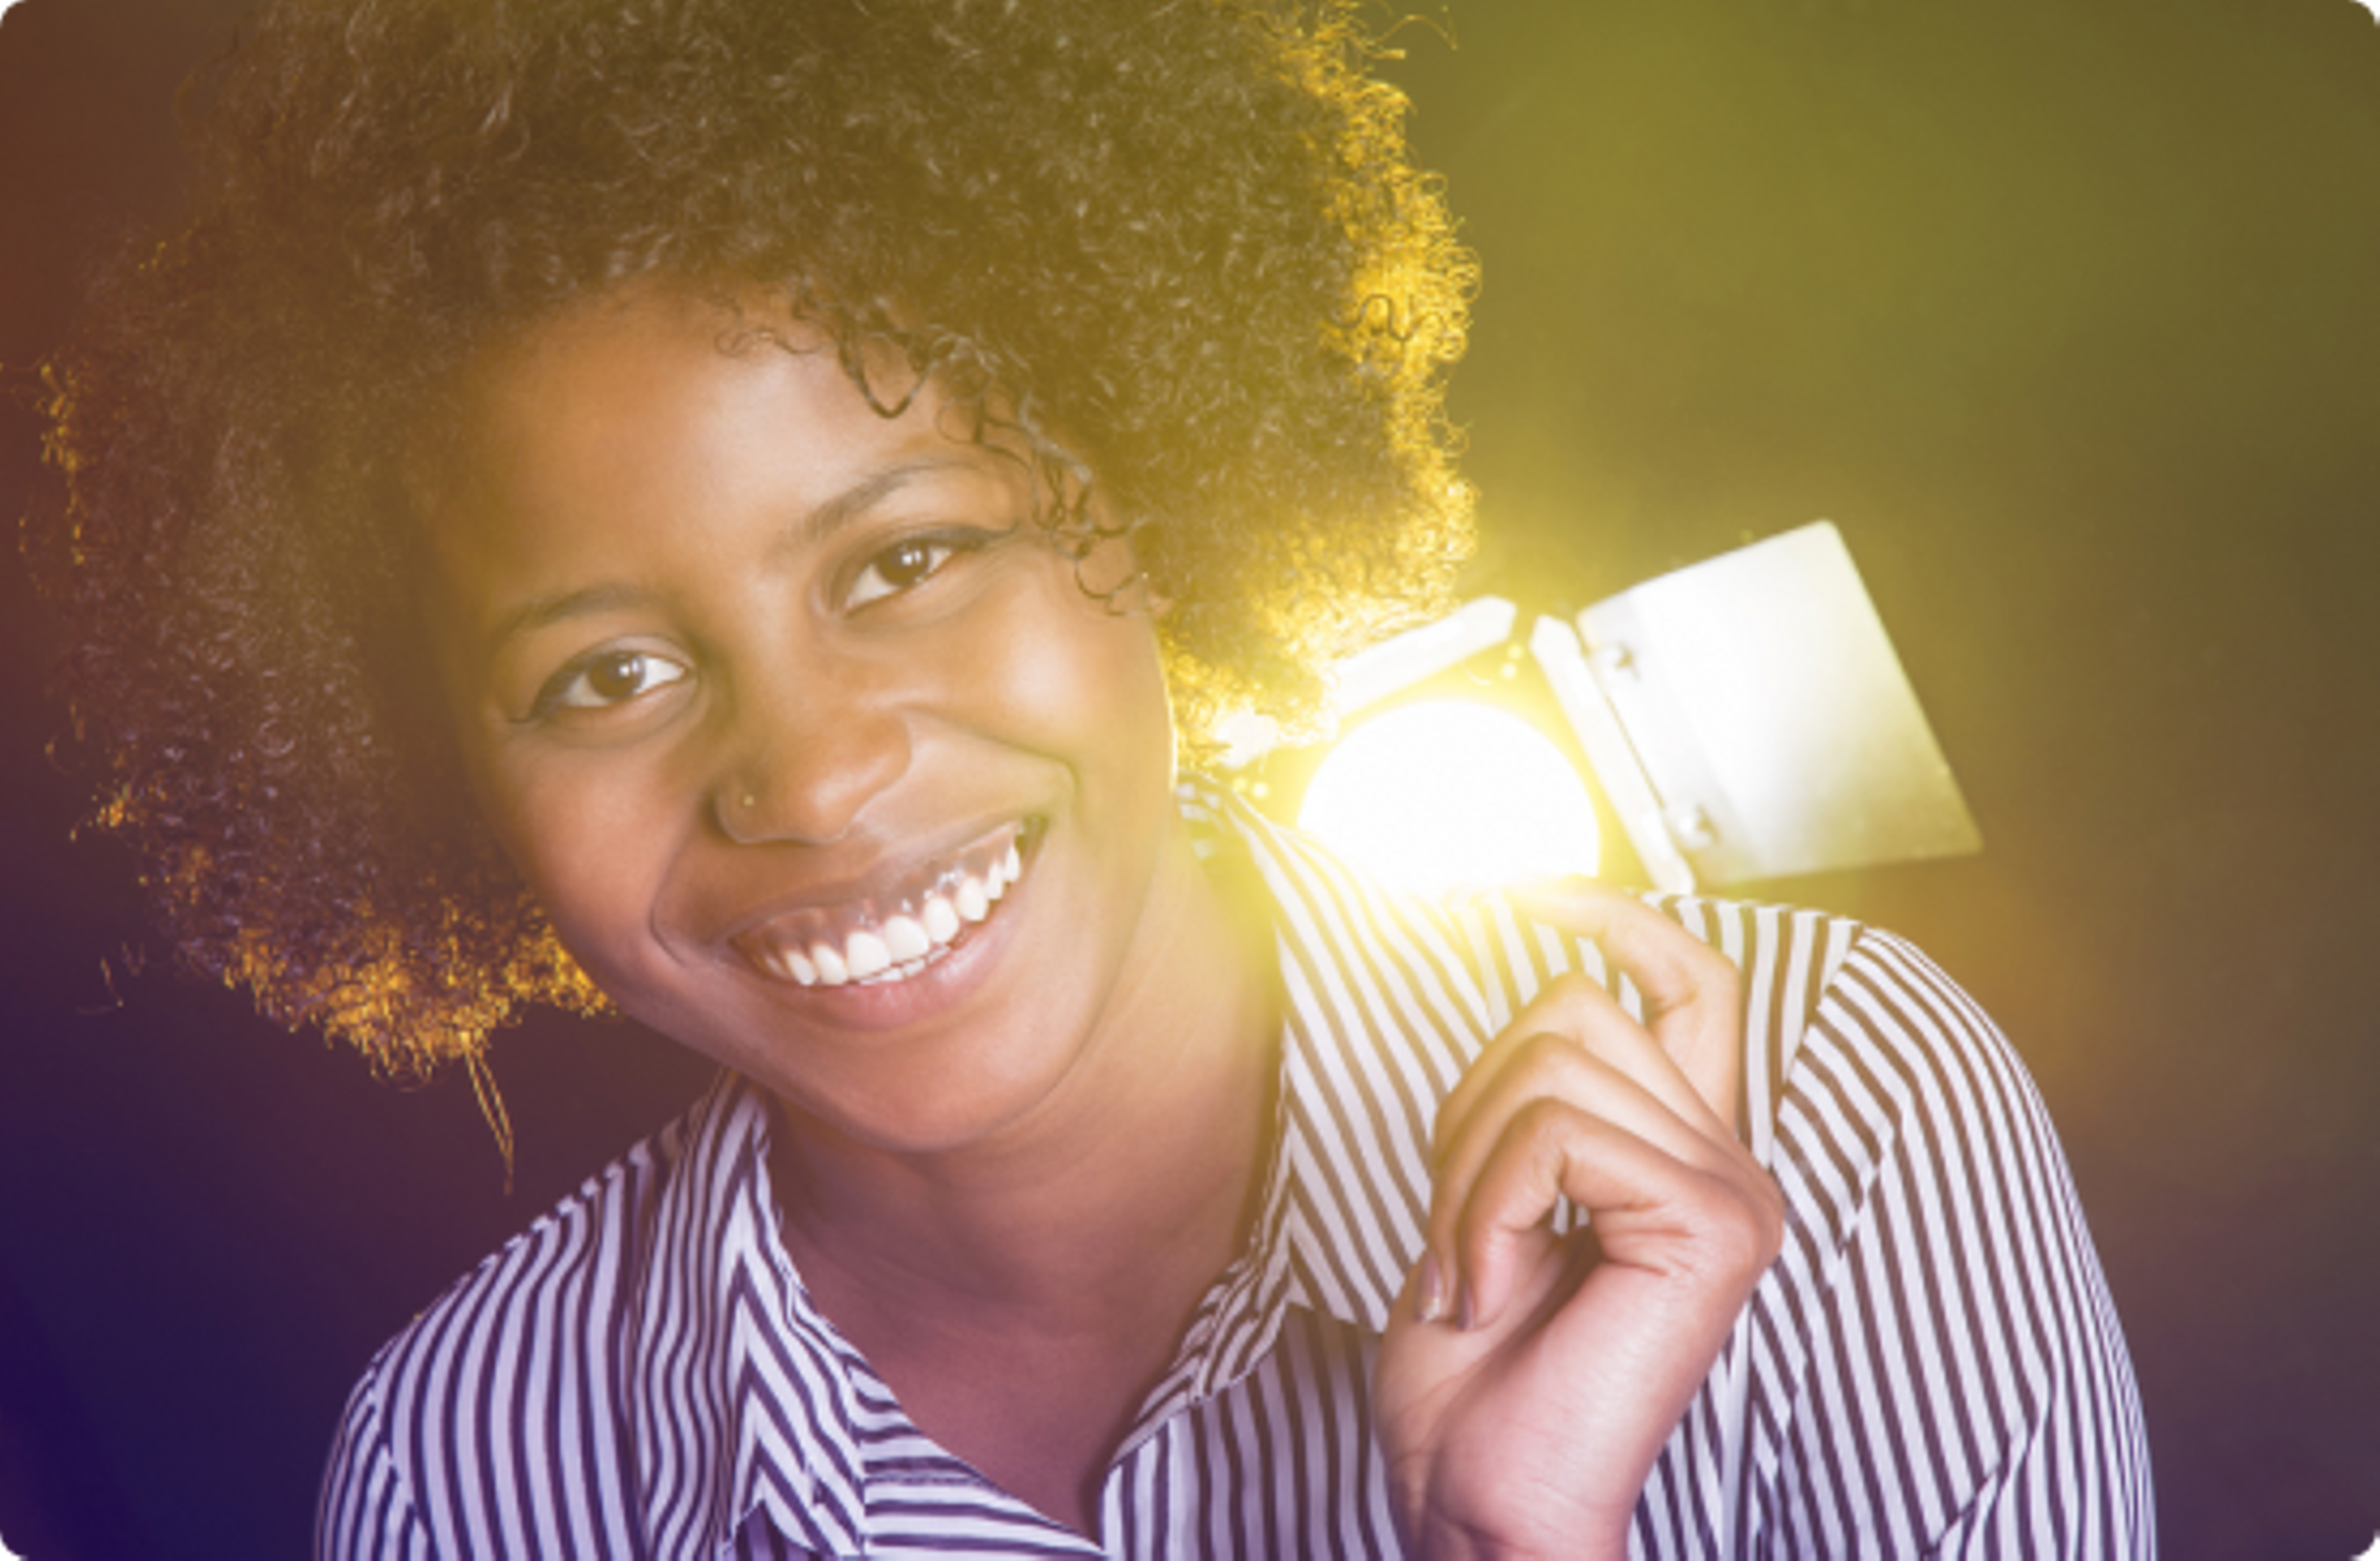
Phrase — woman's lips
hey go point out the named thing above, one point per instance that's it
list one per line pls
(891, 936)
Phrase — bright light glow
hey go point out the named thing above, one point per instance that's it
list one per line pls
(1434, 796)
(1247, 737)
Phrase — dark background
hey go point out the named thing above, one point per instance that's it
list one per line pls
(2066, 312)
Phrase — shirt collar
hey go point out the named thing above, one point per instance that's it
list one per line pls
(730, 1348)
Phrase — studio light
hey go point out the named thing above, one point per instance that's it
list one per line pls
(1742, 719)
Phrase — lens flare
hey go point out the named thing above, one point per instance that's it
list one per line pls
(1437, 794)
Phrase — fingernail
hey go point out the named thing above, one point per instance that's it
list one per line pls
(1430, 1304)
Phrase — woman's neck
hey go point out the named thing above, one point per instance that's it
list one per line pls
(1132, 1186)
(1021, 1296)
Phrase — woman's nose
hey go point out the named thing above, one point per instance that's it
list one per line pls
(807, 761)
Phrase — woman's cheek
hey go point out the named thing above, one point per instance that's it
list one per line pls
(589, 832)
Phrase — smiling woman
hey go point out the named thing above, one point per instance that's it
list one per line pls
(832, 454)
(1240, 329)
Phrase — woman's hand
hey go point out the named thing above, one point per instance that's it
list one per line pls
(1527, 1381)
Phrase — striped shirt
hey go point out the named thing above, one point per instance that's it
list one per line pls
(1931, 1366)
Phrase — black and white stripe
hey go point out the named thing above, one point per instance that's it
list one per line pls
(1932, 1367)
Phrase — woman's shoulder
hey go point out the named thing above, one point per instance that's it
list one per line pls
(615, 1212)
(508, 1375)
(1851, 1035)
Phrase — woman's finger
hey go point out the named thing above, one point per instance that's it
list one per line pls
(1549, 1070)
(1521, 1077)
(1700, 1224)
(1692, 993)
(1573, 1010)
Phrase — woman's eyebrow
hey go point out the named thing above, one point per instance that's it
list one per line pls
(544, 611)
(855, 501)
(813, 528)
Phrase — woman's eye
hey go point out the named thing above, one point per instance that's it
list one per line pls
(898, 568)
(609, 678)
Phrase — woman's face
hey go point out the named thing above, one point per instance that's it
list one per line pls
(767, 694)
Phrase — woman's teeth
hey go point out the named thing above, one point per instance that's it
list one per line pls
(974, 904)
(905, 944)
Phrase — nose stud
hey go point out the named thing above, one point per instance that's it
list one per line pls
(748, 802)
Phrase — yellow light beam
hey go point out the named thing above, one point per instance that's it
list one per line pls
(1447, 793)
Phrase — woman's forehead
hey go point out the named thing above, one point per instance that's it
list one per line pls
(654, 384)
(658, 420)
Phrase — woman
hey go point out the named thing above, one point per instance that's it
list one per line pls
(722, 509)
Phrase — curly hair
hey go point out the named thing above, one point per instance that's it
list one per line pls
(1185, 232)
